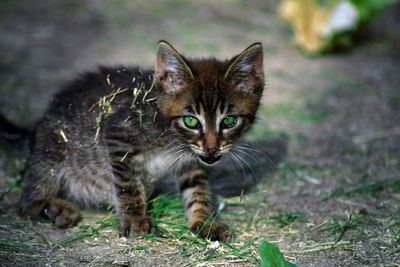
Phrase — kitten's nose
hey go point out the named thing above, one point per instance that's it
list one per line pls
(210, 143)
(210, 159)
(211, 151)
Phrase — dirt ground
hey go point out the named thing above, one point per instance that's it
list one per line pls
(331, 124)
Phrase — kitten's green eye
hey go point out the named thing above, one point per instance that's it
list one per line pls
(229, 121)
(191, 122)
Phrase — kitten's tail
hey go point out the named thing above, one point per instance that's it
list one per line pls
(15, 138)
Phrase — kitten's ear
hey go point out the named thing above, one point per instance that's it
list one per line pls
(171, 71)
(246, 71)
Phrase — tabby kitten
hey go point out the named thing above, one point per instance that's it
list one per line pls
(109, 135)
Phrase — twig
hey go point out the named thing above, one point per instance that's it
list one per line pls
(376, 135)
(322, 247)
(319, 225)
(107, 96)
(146, 93)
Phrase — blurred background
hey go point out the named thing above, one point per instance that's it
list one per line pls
(332, 92)
(44, 44)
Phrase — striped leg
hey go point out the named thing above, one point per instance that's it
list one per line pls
(197, 197)
(131, 200)
(129, 191)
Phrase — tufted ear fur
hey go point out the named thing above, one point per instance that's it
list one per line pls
(246, 71)
(171, 72)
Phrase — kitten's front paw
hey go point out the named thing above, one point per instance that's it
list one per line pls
(135, 225)
(214, 231)
(61, 213)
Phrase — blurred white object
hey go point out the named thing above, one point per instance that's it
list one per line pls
(344, 17)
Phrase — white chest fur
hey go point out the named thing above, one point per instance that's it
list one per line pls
(159, 164)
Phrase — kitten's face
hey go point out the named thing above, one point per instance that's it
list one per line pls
(209, 104)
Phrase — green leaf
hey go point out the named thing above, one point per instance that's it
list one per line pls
(271, 256)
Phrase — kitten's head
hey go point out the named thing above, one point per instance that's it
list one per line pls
(209, 103)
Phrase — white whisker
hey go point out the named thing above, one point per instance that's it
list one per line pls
(180, 156)
(248, 165)
(241, 150)
(245, 147)
(238, 163)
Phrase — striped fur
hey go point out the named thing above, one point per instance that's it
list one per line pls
(109, 135)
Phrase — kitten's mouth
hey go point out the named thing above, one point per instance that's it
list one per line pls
(210, 160)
